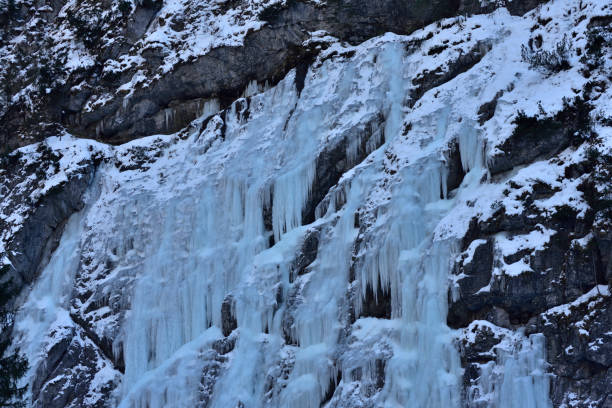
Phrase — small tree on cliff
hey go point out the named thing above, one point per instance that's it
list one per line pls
(12, 364)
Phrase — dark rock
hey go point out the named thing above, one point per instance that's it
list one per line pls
(228, 319)
(376, 305)
(523, 148)
(50, 213)
(517, 8)
(477, 274)
(487, 109)
(43, 220)
(225, 345)
(579, 349)
(453, 164)
(479, 347)
(535, 137)
(604, 244)
(112, 352)
(426, 80)
(333, 162)
(266, 55)
(293, 301)
(560, 273)
(278, 375)
(307, 253)
(66, 376)
(213, 368)
(54, 357)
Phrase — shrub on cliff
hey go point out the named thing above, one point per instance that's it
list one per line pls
(12, 364)
(555, 60)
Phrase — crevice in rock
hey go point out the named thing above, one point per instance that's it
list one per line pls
(331, 389)
(334, 161)
(376, 304)
(228, 318)
(428, 80)
(455, 173)
(301, 69)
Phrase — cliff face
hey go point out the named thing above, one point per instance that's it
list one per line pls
(309, 203)
(118, 70)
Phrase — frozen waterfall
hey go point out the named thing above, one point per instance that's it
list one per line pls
(218, 221)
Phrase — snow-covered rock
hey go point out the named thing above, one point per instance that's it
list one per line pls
(411, 219)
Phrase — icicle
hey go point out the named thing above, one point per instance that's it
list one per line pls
(317, 321)
(210, 107)
(290, 194)
(252, 88)
(192, 241)
(354, 145)
(470, 147)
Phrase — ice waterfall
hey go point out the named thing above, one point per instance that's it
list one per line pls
(193, 232)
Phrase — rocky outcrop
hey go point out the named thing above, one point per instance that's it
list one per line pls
(66, 378)
(535, 258)
(540, 262)
(579, 348)
(535, 137)
(266, 55)
(39, 197)
(87, 102)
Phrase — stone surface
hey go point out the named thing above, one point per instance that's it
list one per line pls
(574, 261)
(266, 54)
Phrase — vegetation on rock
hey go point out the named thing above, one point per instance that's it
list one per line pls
(13, 365)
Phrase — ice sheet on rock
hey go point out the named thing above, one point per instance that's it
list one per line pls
(210, 239)
(517, 378)
(177, 381)
(181, 223)
(46, 312)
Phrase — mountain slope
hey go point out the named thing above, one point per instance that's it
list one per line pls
(403, 219)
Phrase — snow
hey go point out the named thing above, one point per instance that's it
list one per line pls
(47, 310)
(507, 245)
(468, 254)
(176, 224)
(596, 292)
(73, 155)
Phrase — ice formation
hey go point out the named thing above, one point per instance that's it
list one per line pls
(518, 378)
(189, 233)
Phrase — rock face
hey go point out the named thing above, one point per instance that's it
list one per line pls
(128, 83)
(309, 203)
(40, 194)
(69, 369)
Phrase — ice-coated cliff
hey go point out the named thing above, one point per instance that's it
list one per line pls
(409, 219)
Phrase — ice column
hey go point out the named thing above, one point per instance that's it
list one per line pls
(517, 379)
(425, 369)
(199, 256)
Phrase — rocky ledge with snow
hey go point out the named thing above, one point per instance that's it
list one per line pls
(309, 203)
